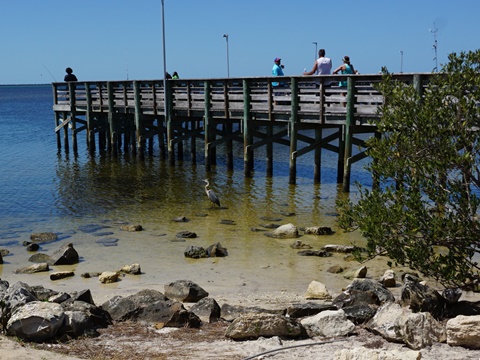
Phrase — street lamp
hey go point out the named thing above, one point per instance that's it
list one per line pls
(401, 61)
(315, 43)
(228, 60)
(164, 64)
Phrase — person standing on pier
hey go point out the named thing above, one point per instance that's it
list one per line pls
(70, 76)
(322, 66)
(277, 70)
(345, 68)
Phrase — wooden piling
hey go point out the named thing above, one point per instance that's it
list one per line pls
(247, 132)
(293, 132)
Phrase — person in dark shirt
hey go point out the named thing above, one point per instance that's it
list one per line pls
(70, 76)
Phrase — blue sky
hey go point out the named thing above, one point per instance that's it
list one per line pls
(113, 39)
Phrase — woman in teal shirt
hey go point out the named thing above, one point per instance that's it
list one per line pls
(345, 68)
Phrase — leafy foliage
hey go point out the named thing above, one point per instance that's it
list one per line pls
(424, 213)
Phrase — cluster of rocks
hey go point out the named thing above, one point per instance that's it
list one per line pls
(67, 255)
(420, 318)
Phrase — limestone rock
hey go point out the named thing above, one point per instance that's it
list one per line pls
(36, 321)
(287, 231)
(133, 269)
(339, 248)
(388, 279)
(317, 290)
(185, 291)
(359, 273)
(328, 323)
(108, 277)
(464, 331)
(33, 269)
(253, 326)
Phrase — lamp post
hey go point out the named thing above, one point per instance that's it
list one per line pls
(401, 61)
(164, 63)
(315, 43)
(228, 60)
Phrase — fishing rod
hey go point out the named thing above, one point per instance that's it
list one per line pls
(53, 77)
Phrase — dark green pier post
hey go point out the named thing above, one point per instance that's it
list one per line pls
(247, 132)
(73, 107)
(112, 147)
(348, 134)
(207, 127)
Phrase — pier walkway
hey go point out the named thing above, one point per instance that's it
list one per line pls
(130, 115)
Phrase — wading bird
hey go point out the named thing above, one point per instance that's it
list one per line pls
(211, 195)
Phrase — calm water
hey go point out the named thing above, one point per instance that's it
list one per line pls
(43, 190)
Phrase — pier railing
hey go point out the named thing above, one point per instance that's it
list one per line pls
(314, 98)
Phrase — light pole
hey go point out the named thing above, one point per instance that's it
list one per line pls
(315, 43)
(164, 64)
(228, 60)
(435, 45)
(401, 61)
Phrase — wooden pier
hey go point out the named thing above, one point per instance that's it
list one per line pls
(129, 115)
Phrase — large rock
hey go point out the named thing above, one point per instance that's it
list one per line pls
(17, 296)
(98, 317)
(351, 297)
(318, 291)
(44, 237)
(384, 295)
(301, 310)
(287, 231)
(126, 308)
(253, 326)
(420, 297)
(231, 312)
(207, 309)
(397, 324)
(36, 321)
(195, 252)
(109, 277)
(464, 331)
(328, 324)
(66, 255)
(185, 291)
(40, 267)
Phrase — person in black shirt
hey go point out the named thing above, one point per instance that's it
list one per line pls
(70, 76)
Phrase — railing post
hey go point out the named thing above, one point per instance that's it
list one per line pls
(207, 127)
(138, 119)
(293, 131)
(111, 120)
(73, 106)
(89, 115)
(247, 135)
(57, 116)
(349, 120)
(168, 105)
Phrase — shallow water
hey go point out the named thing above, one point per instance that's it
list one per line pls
(42, 190)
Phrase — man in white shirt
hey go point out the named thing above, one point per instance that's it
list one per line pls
(322, 65)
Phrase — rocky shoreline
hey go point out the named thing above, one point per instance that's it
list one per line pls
(420, 319)
(404, 324)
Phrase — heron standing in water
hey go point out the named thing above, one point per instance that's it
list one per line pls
(211, 195)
